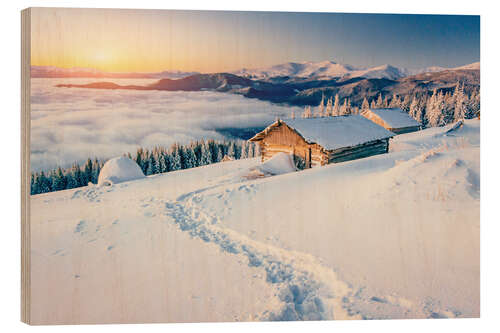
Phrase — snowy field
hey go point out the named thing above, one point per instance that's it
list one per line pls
(390, 236)
(73, 124)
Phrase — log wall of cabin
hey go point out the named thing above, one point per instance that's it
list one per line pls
(404, 130)
(351, 153)
(284, 139)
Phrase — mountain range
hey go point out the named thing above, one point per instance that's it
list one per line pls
(306, 83)
(78, 72)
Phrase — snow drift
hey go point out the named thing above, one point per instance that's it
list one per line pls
(118, 170)
(278, 164)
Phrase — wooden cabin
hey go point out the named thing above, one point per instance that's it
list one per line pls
(319, 141)
(392, 119)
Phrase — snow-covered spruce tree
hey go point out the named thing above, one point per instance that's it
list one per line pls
(176, 159)
(474, 104)
(307, 112)
(220, 153)
(405, 103)
(345, 109)
(365, 105)
(460, 102)
(190, 158)
(33, 189)
(72, 181)
(59, 182)
(206, 155)
(329, 107)
(336, 106)
(42, 183)
(395, 102)
(162, 162)
(380, 101)
(138, 158)
(415, 109)
(244, 150)
(150, 167)
(385, 103)
(97, 166)
(87, 171)
(434, 109)
(321, 107)
(231, 151)
(373, 105)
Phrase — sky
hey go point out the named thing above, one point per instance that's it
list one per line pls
(216, 41)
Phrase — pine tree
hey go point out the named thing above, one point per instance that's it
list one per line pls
(433, 110)
(343, 109)
(220, 154)
(244, 150)
(373, 105)
(59, 182)
(395, 102)
(307, 112)
(231, 151)
(190, 156)
(138, 159)
(33, 189)
(405, 103)
(151, 167)
(43, 183)
(96, 169)
(176, 160)
(459, 102)
(321, 107)
(365, 106)
(415, 109)
(380, 102)
(385, 103)
(206, 155)
(329, 107)
(87, 173)
(336, 106)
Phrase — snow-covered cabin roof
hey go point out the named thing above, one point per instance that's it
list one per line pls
(334, 132)
(395, 118)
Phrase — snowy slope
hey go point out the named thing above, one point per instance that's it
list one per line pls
(390, 236)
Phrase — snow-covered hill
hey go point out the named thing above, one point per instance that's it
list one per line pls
(298, 69)
(390, 236)
(330, 69)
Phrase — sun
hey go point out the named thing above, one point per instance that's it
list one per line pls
(101, 59)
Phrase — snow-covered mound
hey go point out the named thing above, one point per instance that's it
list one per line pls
(278, 164)
(118, 170)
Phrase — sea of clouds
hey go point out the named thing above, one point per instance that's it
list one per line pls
(72, 124)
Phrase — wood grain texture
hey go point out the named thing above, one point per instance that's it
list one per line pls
(25, 164)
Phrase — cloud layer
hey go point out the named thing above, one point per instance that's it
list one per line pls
(71, 124)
